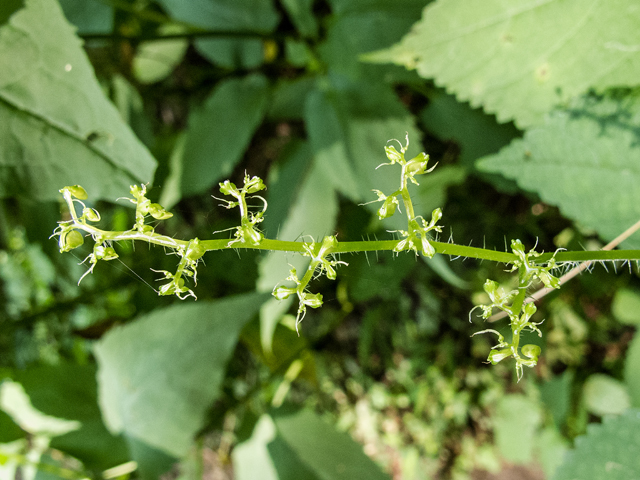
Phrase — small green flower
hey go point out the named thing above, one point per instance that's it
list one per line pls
(70, 239)
(77, 191)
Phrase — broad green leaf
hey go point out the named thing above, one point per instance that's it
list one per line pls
(551, 447)
(8, 8)
(158, 375)
(258, 16)
(298, 53)
(556, 396)
(56, 126)
(377, 277)
(327, 135)
(215, 140)
(584, 160)
(130, 105)
(311, 214)
(232, 53)
(286, 178)
(432, 191)
(90, 16)
(9, 430)
(288, 98)
(70, 391)
(514, 426)
(16, 403)
(151, 462)
(520, 58)
(349, 123)
(604, 395)
(476, 133)
(301, 14)
(251, 458)
(361, 26)
(632, 371)
(626, 306)
(171, 190)
(156, 59)
(329, 454)
(608, 450)
(287, 347)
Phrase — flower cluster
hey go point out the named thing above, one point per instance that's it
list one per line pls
(416, 237)
(246, 233)
(519, 312)
(319, 265)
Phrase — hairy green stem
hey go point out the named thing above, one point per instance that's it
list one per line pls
(451, 249)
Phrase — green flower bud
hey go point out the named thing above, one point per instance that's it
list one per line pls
(138, 191)
(249, 234)
(548, 280)
(101, 252)
(158, 212)
(331, 272)
(313, 300)
(229, 188)
(195, 250)
(70, 240)
(91, 214)
(427, 249)
(436, 215)
(490, 287)
(143, 205)
(393, 154)
(253, 185)
(518, 248)
(496, 356)
(529, 310)
(77, 191)
(531, 351)
(282, 292)
(167, 289)
(388, 208)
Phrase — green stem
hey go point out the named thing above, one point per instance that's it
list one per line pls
(362, 246)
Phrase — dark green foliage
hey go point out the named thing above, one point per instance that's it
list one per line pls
(532, 143)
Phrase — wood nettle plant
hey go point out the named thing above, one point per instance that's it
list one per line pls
(531, 267)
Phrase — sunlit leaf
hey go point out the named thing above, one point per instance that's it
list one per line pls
(515, 422)
(626, 306)
(56, 126)
(156, 59)
(604, 395)
(158, 375)
(519, 59)
(584, 160)
(70, 391)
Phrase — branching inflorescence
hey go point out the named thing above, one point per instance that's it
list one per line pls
(519, 312)
(530, 266)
